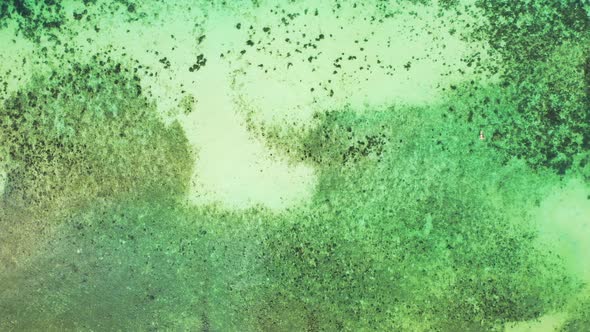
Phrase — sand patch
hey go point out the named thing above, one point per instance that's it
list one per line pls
(351, 57)
(563, 218)
(234, 168)
(15, 60)
(564, 225)
(546, 323)
(2, 182)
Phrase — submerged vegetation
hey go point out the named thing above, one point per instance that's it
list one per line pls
(416, 223)
(88, 131)
(541, 110)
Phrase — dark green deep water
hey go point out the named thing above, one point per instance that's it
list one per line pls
(425, 165)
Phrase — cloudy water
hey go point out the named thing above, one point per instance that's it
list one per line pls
(403, 165)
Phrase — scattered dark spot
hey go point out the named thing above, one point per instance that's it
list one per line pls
(52, 24)
(79, 16)
(165, 62)
(201, 62)
(22, 8)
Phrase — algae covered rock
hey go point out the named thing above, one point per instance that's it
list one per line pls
(87, 129)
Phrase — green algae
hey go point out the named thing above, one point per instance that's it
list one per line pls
(407, 235)
(544, 52)
(88, 132)
(580, 318)
(125, 265)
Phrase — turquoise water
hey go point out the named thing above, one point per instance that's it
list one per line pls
(294, 165)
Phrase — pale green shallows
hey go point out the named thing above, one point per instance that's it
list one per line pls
(294, 165)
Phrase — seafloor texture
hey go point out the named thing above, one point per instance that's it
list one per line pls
(304, 165)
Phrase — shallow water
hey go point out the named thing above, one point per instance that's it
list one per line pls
(294, 166)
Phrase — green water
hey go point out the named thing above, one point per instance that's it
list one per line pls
(294, 165)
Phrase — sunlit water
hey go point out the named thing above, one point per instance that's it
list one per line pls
(294, 166)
